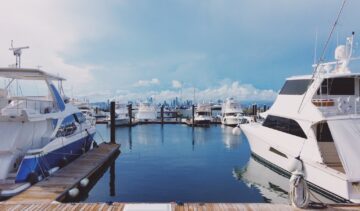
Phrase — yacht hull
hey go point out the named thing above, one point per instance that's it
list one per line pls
(204, 123)
(41, 163)
(120, 122)
(322, 179)
(230, 121)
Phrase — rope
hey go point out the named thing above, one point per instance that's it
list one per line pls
(299, 191)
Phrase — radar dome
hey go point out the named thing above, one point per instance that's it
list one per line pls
(340, 52)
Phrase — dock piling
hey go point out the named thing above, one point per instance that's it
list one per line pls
(193, 115)
(130, 114)
(112, 122)
(162, 114)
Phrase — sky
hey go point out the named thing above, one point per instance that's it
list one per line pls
(133, 49)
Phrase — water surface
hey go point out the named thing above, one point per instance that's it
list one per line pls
(177, 163)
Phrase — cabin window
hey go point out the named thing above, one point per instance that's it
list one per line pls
(284, 125)
(295, 87)
(323, 133)
(337, 86)
(79, 117)
(67, 127)
(203, 113)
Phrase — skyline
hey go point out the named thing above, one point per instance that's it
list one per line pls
(134, 49)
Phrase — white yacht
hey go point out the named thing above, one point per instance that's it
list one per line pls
(40, 133)
(121, 115)
(316, 119)
(85, 108)
(146, 112)
(203, 114)
(231, 112)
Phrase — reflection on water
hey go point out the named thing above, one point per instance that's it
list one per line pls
(272, 185)
(175, 163)
(231, 141)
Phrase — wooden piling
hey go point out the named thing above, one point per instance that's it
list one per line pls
(193, 115)
(112, 122)
(162, 114)
(130, 114)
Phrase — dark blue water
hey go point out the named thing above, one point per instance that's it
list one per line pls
(176, 163)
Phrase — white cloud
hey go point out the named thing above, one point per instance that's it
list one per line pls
(142, 83)
(176, 84)
(53, 30)
(242, 92)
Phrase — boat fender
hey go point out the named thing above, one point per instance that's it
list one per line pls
(63, 162)
(33, 178)
(299, 192)
(84, 182)
(73, 192)
(95, 145)
(294, 165)
(236, 130)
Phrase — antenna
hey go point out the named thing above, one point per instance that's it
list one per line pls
(17, 53)
(315, 47)
(324, 50)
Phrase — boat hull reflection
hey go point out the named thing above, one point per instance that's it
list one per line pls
(272, 183)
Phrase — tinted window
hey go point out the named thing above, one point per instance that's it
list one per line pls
(323, 133)
(295, 87)
(338, 86)
(67, 127)
(284, 125)
(79, 117)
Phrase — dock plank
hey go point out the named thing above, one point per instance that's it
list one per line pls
(187, 206)
(56, 185)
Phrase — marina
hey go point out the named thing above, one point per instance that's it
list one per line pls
(222, 105)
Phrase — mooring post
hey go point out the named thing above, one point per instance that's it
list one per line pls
(193, 115)
(162, 114)
(130, 114)
(112, 122)
(112, 179)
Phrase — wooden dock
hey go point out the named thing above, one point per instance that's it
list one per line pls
(56, 186)
(159, 206)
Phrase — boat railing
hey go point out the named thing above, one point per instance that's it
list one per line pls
(338, 105)
(33, 105)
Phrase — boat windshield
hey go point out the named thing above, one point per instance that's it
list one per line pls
(18, 94)
(338, 96)
(296, 87)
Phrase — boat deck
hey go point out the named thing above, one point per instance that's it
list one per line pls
(56, 186)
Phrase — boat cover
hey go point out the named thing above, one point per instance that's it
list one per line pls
(346, 135)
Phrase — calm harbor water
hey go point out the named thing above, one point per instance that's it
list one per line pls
(178, 163)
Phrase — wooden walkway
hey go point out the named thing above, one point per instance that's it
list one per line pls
(157, 207)
(56, 186)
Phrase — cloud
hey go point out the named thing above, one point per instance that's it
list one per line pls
(144, 83)
(242, 92)
(53, 30)
(176, 84)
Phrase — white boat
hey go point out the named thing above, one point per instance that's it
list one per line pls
(231, 112)
(85, 108)
(39, 133)
(203, 115)
(146, 112)
(121, 115)
(316, 118)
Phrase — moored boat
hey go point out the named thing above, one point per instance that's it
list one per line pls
(40, 133)
(315, 119)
